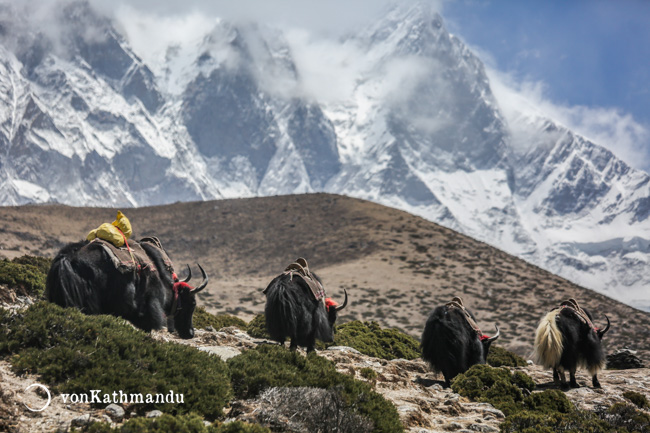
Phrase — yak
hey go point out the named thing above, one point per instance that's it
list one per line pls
(452, 342)
(292, 311)
(84, 275)
(567, 339)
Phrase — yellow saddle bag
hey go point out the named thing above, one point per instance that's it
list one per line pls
(116, 232)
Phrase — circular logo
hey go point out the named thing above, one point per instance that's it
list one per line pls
(49, 397)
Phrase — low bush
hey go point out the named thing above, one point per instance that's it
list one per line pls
(26, 274)
(168, 423)
(574, 422)
(500, 357)
(619, 418)
(303, 409)
(637, 398)
(257, 327)
(202, 319)
(626, 418)
(368, 373)
(76, 353)
(273, 366)
(494, 385)
(370, 339)
(549, 411)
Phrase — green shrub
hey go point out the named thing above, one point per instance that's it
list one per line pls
(202, 319)
(637, 398)
(41, 263)
(574, 422)
(625, 417)
(76, 353)
(177, 424)
(370, 339)
(500, 357)
(26, 273)
(273, 366)
(548, 401)
(619, 418)
(493, 385)
(238, 427)
(368, 373)
(257, 327)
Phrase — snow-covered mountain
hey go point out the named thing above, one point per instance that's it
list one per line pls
(84, 120)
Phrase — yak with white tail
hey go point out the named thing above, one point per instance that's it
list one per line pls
(566, 339)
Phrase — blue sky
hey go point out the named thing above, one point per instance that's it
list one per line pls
(590, 53)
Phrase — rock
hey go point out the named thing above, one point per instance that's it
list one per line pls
(453, 426)
(624, 359)
(210, 328)
(81, 421)
(153, 414)
(483, 428)
(492, 411)
(115, 412)
(344, 349)
(223, 352)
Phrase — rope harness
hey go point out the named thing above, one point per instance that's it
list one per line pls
(572, 304)
(300, 268)
(457, 303)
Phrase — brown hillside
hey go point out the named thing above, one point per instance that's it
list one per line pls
(395, 266)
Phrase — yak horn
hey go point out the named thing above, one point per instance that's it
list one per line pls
(203, 283)
(189, 275)
(344, 302)
(495, 335)
(602, 332)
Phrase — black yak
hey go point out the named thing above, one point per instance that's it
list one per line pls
(567, 339)
(452, 342)
(296, 308)
(85, 275)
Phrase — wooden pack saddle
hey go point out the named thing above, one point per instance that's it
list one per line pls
(132, 257)
(300, 269)
(457, 302)
(573, 305)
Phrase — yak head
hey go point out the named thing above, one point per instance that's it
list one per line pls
(486, 342)
(184, 303)
(333, 308)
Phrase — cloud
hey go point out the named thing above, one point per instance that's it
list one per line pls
(332, 17)
(609, 127)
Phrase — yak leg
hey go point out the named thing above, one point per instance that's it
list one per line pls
(170, 325)
(595, 382)
(447, 379)
(294, 344)
(572, 375)
(311, 344)
(559, 378)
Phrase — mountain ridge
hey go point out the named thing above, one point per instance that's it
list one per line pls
(87, 122)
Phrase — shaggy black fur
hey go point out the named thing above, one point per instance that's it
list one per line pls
(581, 347)
(291, 311)
(450, 345)
(87, 279)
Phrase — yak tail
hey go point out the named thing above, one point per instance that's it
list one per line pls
(65, 287)
(548, 342)
(280, 312)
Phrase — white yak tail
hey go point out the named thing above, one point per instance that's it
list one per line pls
(548, 342)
